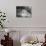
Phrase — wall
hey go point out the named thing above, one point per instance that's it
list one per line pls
(38, 21)
(38, 13)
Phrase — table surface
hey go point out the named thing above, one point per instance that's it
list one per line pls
(27, 44)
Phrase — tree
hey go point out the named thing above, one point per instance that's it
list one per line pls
(2, 19)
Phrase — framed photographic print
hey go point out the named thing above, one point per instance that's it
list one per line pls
(24, 11)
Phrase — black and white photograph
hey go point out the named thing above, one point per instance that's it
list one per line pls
(24, 11)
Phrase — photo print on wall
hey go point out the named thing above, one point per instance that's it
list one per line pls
(23, 11)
